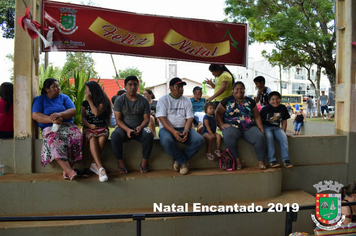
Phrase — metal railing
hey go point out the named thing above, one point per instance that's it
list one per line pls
(290, 216)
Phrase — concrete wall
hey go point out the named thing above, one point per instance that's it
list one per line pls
(313, 128)
(315, 158)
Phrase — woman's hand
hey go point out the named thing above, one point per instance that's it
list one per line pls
(92, 126)
(58, 121)
(224, 126)
(88, 96)
(210, 82)
(55, 116)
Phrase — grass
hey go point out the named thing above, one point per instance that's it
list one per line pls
(319, 119)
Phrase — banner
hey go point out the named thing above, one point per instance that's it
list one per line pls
(80, 28)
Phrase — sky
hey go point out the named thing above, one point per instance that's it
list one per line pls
(153, 70)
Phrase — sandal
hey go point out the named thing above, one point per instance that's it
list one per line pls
(262, 167)
(65, 175)
(144, 169)
(122, 170)
(239, 167)
(209, 156)
(73, 175)
(217, 153)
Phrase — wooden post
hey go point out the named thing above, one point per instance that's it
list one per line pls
(25, 59)
(345, 96)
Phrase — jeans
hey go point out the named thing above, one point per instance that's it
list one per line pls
(324, 108)
(271, 133)
(253, 135)
(168, 142)
(119, 136)
(297, 126)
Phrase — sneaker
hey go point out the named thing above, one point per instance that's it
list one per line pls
(176, 166)
(287, 164)
(274, 164)
(86, 173)
(102, 175)
(94, 168)
(184, 169)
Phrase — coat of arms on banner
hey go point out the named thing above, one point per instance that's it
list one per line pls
(67, 21)
(328, 206)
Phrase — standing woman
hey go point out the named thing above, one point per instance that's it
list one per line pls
(153, 104)
(6, 110)
(222, 84)
(63, 141)
(96, 114)
(237, 116)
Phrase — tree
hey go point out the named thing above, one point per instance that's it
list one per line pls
(133, 71)
(10, 57)
(303, 27)
(84, 62)
(7, 18)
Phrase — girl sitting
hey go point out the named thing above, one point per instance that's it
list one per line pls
(96, 114)
(209, 130)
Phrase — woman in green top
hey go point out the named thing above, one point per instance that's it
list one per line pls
(222, 84)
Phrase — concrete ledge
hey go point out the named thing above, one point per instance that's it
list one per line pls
(49, 193)
(304, 150)
(269, 223)
(313, 128)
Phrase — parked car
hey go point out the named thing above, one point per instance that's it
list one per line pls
(331, 110)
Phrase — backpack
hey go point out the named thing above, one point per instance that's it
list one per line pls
(227, 161)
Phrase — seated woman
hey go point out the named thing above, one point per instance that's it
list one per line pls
(299, 121)
(153, 103)
(348, 194)
(96, 113)
(237, 116)
(62, 140)
(6, 110)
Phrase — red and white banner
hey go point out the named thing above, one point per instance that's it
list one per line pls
(82, 28)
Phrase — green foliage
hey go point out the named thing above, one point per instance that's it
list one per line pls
(302, 31)
(74, 91)
(133, 71)
(11, 58)
(83, 62)
(7, 18)
(80, 78)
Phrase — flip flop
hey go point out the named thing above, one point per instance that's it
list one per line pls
(144, 169)
(122, 170)
(209, 156)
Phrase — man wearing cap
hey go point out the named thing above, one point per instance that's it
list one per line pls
(198, 108)
(175, 114)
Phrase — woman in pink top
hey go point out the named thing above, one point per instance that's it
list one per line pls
(6, 110)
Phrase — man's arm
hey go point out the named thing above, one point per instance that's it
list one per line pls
(121, 124)
(168, 126)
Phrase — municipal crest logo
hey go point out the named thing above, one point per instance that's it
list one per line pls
(328, 206)
(67, 21)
